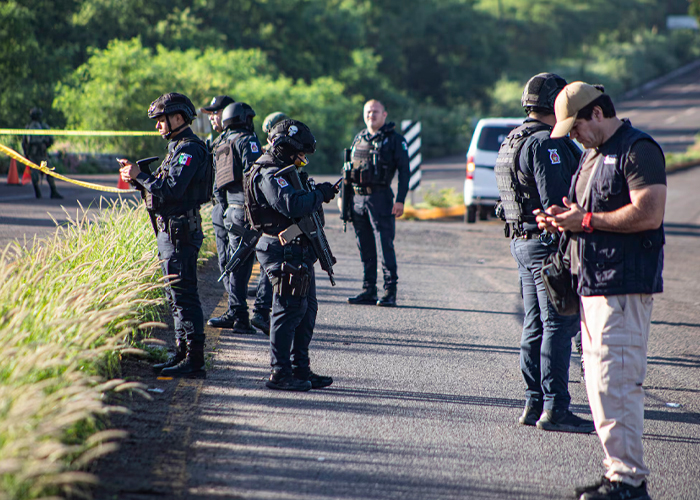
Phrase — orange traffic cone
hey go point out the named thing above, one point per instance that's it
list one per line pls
(122, 184)
(12, 177)
(27, 176)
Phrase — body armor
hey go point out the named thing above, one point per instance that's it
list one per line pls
(229, 168)
(367, 168)
(262, 216)
(519, 195)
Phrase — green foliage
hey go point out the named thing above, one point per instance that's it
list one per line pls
(443, 198)
(113, 89)
(445, 62)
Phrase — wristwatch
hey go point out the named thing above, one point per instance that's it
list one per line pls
(586, 223)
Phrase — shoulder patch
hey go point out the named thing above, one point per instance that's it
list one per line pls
(610, 160)
(282, 183)
(184, 159)
(405, 146)
(254, 147)
(554, 156)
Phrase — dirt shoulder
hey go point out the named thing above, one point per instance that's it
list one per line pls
(151, 462)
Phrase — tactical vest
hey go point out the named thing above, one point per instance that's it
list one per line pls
(199, 190)
(368, 169)
(519, 195)
(35, 146)
(260, 214)
(617, 263)
(229, 167)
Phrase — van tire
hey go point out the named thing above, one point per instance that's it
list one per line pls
(484, 211)
(470, 214)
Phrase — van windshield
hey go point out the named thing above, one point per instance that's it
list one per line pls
(491, 137)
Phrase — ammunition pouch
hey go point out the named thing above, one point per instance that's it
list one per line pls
(292, 281)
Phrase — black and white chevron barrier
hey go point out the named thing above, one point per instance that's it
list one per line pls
(411, 132)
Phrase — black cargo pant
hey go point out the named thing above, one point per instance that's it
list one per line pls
(293, 318)
(372, 213)
(179, 258)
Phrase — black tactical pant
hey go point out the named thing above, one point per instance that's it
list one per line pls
(293, 318)
(222, 251)
(37, 176)
(180, 258)
(372, 213)
(238, 295)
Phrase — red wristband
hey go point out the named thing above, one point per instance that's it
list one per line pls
(586, 223)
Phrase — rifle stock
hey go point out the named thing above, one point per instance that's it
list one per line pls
(246, 247)
(347, 194)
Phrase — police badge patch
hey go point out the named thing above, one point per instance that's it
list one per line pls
(254, 147)
(282, 183)
(554, 156)
(610, 160)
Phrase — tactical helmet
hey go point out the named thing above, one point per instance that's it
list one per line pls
(273, 119)
(35, 113)
(172, 103)
(237, 113)
(541, 91)
(290, 137)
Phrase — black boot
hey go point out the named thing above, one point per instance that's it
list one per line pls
(226, 320)
(317, 381)
(389, 298)
(368, 297)
(283, 380)
(242, 326)
(261, 321)
(173, 359)
(190, 367)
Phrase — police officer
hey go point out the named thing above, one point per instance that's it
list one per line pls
(235, 150)
(377, 153)
(534, 172)
(35, 149)
(173, 196)
(271, 120)
(273, 205)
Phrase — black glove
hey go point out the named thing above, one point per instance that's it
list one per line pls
(327, 190)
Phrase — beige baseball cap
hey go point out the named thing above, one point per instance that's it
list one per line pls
(572, 99)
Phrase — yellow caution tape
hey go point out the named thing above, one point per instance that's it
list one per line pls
(44, 168)
(36, 131)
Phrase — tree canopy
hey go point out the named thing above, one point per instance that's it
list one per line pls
(99, 63)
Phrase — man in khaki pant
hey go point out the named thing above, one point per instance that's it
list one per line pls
(615, 212)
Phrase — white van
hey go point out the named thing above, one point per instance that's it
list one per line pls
(480, 189)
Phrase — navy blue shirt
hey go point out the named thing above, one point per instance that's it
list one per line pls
(282, 197)
(182, 169)
(552, 163)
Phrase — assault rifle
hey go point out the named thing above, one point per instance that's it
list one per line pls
(311, 226)
(347, 194)
(249, 238)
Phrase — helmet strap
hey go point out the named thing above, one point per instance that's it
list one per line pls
(171, 130)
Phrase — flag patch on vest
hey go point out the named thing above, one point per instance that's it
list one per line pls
(253, 147)
(184, 159)
(610, 160)
(282, 183)
(554, 156)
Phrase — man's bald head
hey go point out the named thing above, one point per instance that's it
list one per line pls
(374, 115)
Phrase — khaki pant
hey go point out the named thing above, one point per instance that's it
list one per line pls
(614, 334)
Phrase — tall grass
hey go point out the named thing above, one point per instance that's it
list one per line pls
(69, 309)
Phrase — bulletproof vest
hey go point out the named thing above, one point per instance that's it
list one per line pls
(229, 167)
(199, 190)
(260, 214)
(367, 166)
(35, 146)
(617, 263)
(519, 195)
